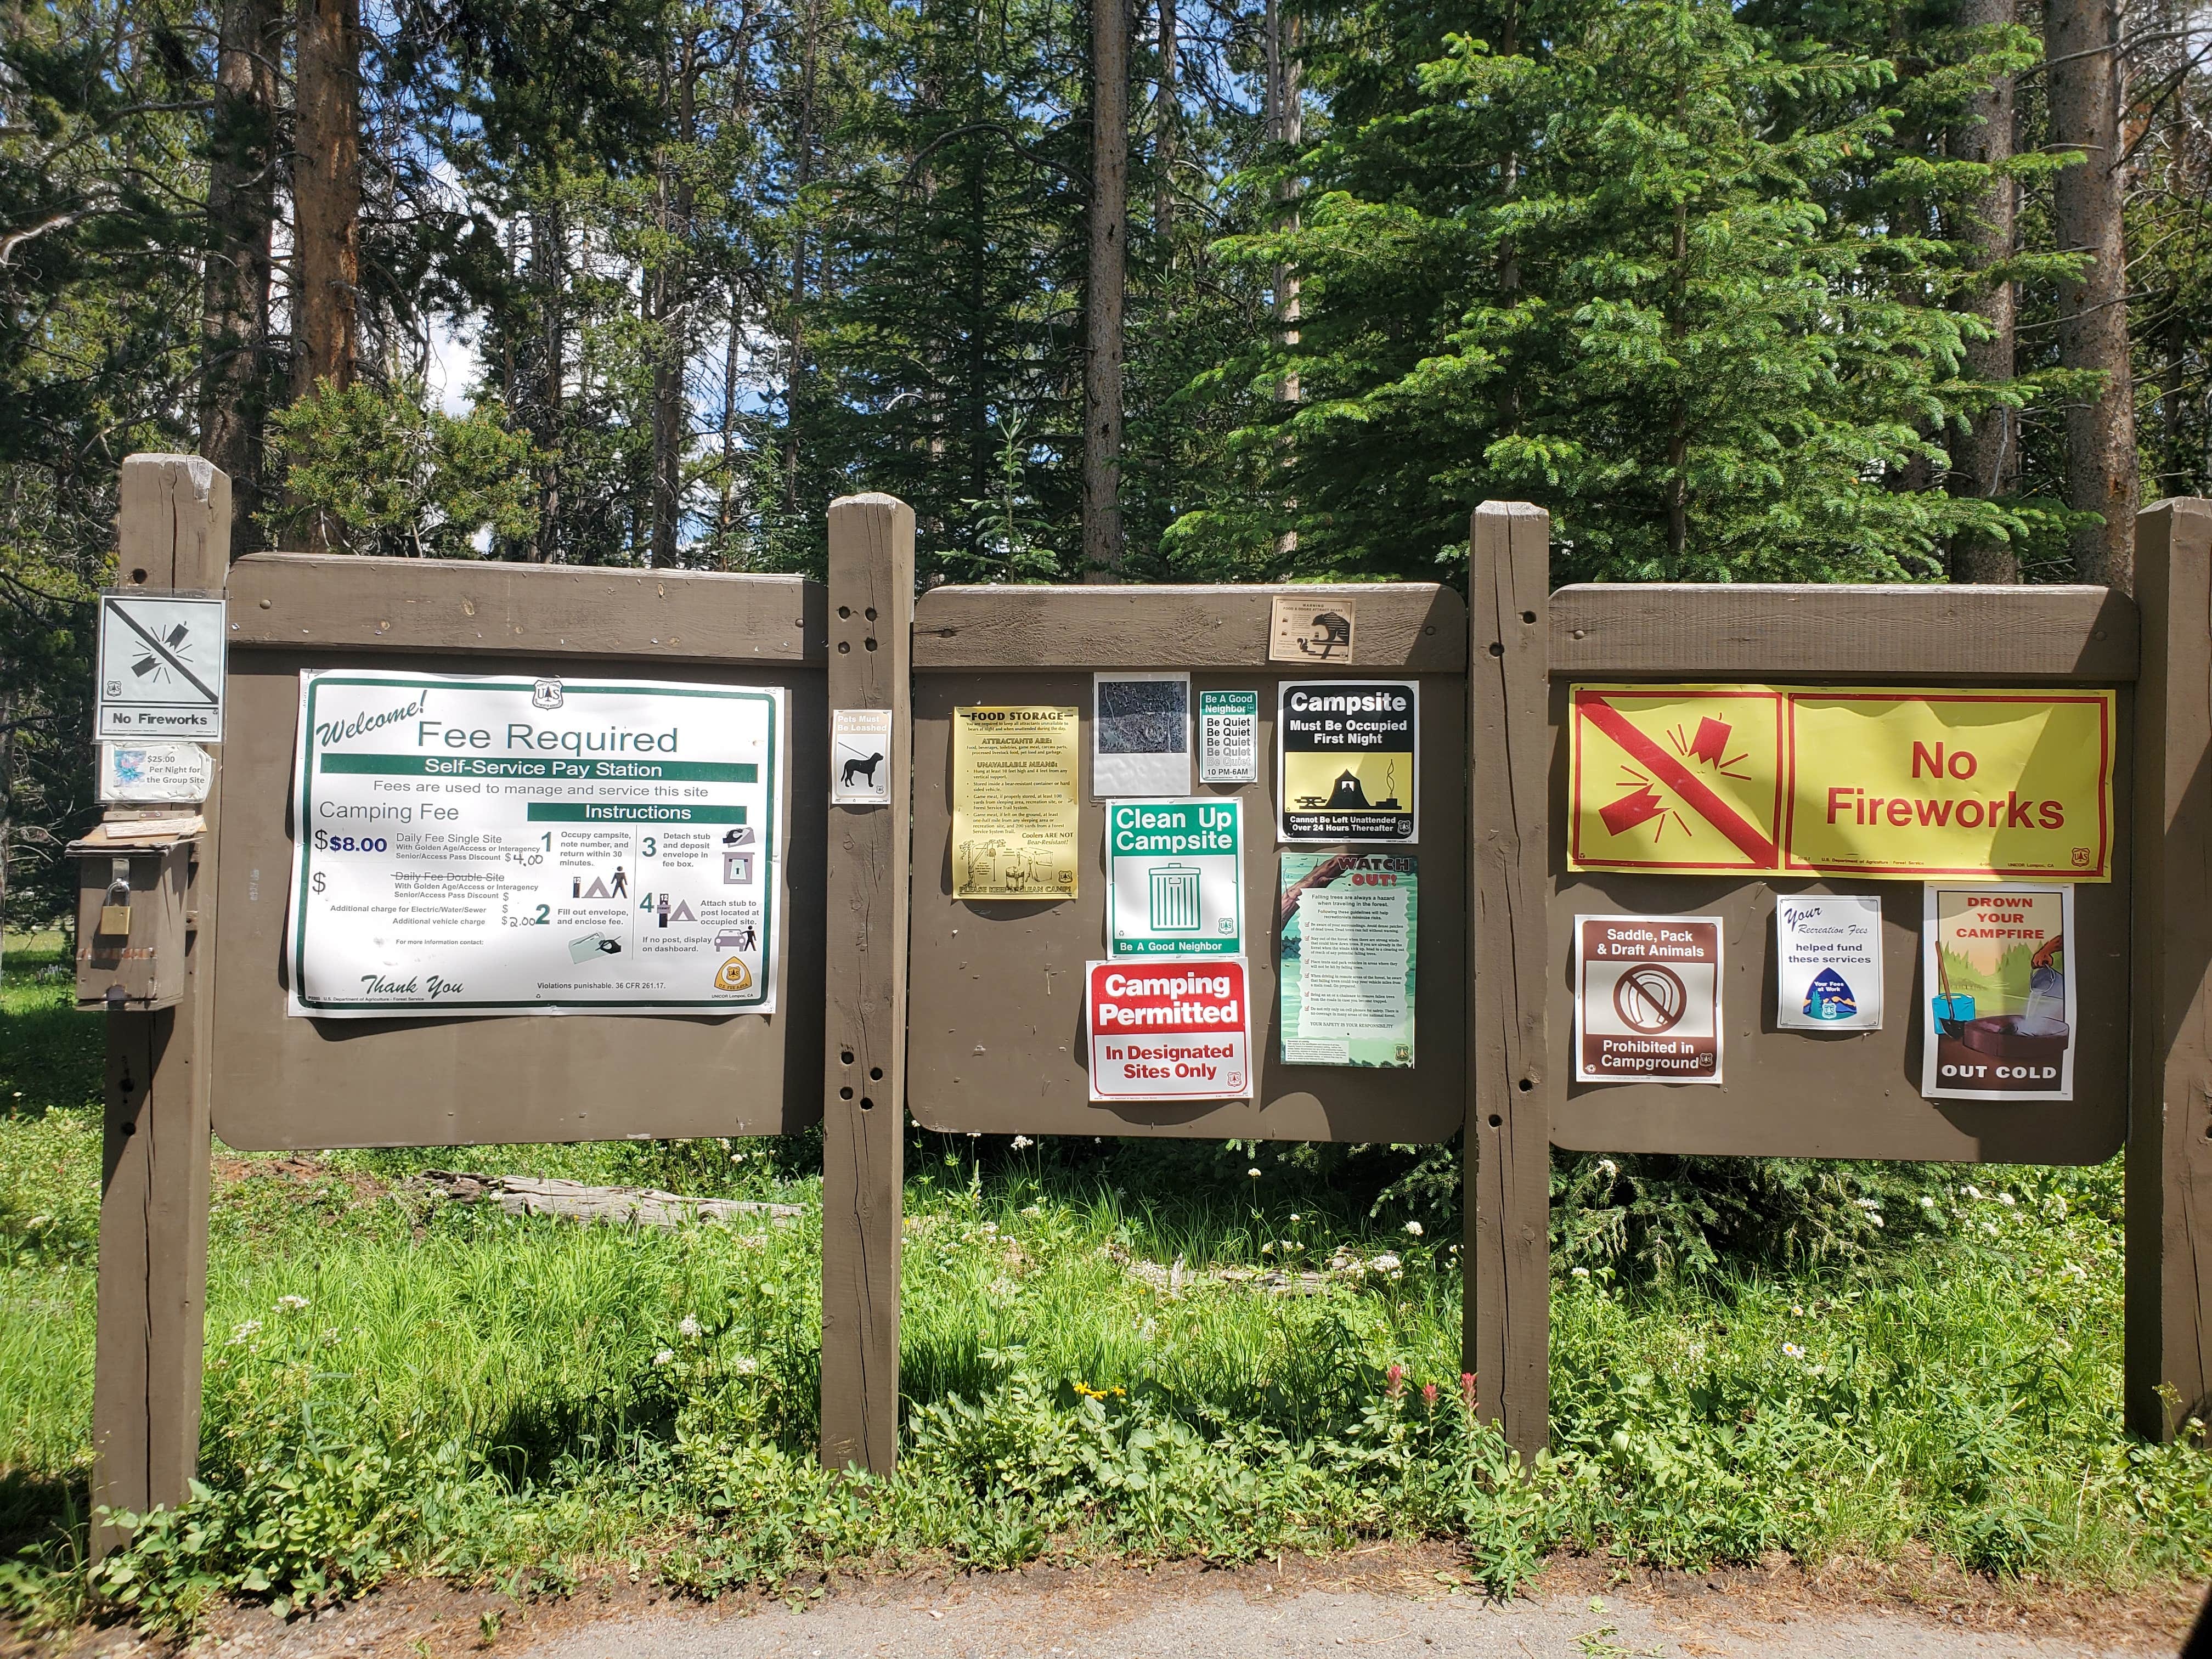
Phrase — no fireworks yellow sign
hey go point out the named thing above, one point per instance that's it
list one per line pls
(1859, 781)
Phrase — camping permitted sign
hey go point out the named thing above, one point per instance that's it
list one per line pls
(1844, 780)
(1174, 880)
(1169, 1030)
(161, 660)
(509, 846)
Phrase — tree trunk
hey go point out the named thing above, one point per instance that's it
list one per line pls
(235, 280)
(803, 176)
(1985, 459)
(326, 191)
(1104, 291)
(1167, 110)
(2080, 43)
(671, 409)
(327, 206)
(549, 275)
(1283, 111)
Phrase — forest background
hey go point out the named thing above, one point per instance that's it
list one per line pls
(1153, 289)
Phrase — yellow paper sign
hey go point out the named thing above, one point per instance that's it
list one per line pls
(1811, 781)
(1014, 806)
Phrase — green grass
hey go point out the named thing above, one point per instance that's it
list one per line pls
(456, 1392)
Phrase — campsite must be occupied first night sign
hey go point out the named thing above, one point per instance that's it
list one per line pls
(1845, 781)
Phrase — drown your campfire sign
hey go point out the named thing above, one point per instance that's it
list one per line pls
(1808, 780)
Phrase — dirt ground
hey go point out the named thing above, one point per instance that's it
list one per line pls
(1383, 1603)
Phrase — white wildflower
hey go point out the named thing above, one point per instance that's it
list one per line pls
(687, 1326)
(244, 1333)
(745, 1364)
(1580, 1272)
(1267, 1248)
(1927, 1202)
(292, 1303)
(1032, 1209)
(2005, 1199)
(1253, 1172)
(1868, 1203)
(666, 1356)
(1295, 1217)
(1793, 1350)
(1974, 1192)
(1874, 1216)
(1797, 1310)
(1414, 1228)
(1021, 1141)
(1610, 1167)
(1386, 1263)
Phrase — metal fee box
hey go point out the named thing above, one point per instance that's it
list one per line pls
(132, 925)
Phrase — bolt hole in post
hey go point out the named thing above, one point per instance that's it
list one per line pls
(844, 647)
(845, 611)
(867, 1105)
(871, 644)
(1498, 647)
(870, 613)
(845, 1093)
(845, 1057)
(1527, 615)
(875, 1074)
(1527, 1084)
(139, 578)
(1496, 1121)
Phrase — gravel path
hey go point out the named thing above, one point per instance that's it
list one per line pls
(1120, 1616)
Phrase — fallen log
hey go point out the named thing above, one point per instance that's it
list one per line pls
(575, 1200)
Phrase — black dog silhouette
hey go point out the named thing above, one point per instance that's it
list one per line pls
(861, 769)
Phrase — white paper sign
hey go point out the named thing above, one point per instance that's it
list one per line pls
(1139, 735)
(1828, 951)
(160, 661)
(1229, 737)
(859, 751)
(154, 774)
(509, 846)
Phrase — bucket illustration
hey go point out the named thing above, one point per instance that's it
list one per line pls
(1174, 899)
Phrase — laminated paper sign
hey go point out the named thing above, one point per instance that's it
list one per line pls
(1347, 753)
(1848, 780)
(1999, 1016)
(154, 774)
(1350, 924)
(507, 845)
(1170, 1030)
(859, 757)
(1140, 732)
(1828, 957)
(1229, 737)
(1647, 998)
(1174, 877)
(1014, 806)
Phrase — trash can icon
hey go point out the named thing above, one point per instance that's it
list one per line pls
(1173, 898)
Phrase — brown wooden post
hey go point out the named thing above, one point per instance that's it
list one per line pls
(864, 1102)
(173, 531)
(1505, 1334)
(2168, 1373)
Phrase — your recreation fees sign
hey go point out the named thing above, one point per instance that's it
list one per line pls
(508, 845)
(1805, 781)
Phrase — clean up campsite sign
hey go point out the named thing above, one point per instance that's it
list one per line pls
(1174, 877)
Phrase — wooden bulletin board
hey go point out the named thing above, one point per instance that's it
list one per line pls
(1801, 1094)
(996, 1036)
(283, 1082)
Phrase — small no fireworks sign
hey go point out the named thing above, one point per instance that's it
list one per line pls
(1647, 998)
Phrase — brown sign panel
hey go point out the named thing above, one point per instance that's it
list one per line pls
(1847, 1094)
(997, 1037)
(282, 1081)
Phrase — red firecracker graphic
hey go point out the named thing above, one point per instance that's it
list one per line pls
(1712, 741)
(1632, 809)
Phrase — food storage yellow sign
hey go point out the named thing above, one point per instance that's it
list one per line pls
(1812, 780)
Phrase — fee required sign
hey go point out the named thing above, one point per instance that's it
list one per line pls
(1808, 781)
